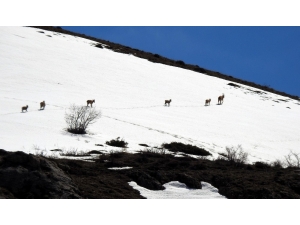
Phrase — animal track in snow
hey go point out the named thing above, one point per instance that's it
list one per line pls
(190, 140)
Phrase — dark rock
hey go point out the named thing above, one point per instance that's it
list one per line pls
(234, 85)
(145, 180)
(28, 176)
(189, 181)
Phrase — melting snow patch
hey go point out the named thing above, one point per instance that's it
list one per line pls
(177, 190)
(120, 168)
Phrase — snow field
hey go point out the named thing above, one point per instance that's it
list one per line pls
(130, 92)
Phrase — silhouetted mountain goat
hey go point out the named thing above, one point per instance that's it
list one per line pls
(207, 101)
(221, 99)
(168, 102)
(25, 108)
(90, 102)
(42, 105)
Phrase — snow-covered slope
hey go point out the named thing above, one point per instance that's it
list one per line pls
(38, 65)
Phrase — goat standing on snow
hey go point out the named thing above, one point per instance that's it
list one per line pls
(90, 102)
(25, 108)
(221, 99)
(42, 105)
(168, 102)
(207, 102)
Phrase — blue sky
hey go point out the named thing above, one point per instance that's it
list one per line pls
(267, 55)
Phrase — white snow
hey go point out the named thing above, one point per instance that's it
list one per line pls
(177, 190)
(120, 168)
(130, 92)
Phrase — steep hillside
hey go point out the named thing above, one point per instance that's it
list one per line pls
(62, 69)
(130, 91)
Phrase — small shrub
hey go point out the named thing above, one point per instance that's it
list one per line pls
(277, 164)
(160, 151)
(80, 117)
(236, 155)
(41, 153)
(74, 152)
(293, 159)
(149, 153)
(188, 149)
(117, 143)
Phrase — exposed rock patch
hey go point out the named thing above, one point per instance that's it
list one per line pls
(28, 176)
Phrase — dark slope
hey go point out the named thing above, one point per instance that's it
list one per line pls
(160, 59)
(28, 176)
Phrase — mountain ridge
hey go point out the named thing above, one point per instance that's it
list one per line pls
(156, 58)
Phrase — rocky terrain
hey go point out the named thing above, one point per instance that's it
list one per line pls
(27, 176)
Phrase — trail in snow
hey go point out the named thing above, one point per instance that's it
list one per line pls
(207, 146)
(190, 140)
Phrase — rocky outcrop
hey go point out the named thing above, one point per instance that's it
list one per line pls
(26, 176)
(145, 180)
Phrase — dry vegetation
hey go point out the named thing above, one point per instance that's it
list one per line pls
(150, 168)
